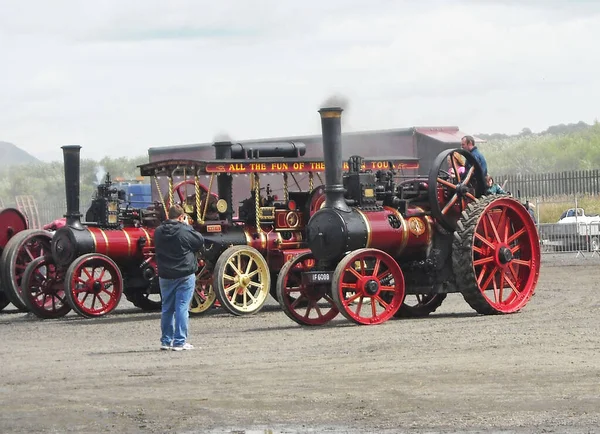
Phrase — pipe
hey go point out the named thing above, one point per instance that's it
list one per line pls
(72, 169)
(267, 150)
(331, 125)
(224, 180)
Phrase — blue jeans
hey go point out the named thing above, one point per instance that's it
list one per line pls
(176, 296)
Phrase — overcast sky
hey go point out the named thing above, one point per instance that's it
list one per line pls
(120, 76)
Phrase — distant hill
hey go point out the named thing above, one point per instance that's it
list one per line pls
(11, 155)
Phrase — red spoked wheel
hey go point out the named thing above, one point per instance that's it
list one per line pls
(496, 255)
(452, 188)
(419, 305)
(44, 289)
(12, 221)
(304, 303)
(94, 285)
(204, 294)
(368, 286)
(20, 250)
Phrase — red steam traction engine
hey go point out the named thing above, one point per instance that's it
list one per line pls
(380, 237)
(244, 254)
(90, 265)
(13, 223)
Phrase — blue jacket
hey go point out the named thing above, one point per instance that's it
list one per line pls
(176, 244)
(480, 159)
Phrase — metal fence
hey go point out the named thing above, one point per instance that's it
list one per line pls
(582, 182)
(47, 212)
(577, 238)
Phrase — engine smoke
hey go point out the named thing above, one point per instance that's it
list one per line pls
(222, 137)
(100, 174)
(336, 100)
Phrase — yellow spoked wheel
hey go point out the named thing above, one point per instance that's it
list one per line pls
(242, 280)
(204, 294)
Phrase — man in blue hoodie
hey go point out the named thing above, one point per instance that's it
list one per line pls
(176, 244)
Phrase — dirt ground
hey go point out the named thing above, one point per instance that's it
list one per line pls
(535, 371)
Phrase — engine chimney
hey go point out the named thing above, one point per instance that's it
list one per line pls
(331, 125)
(224, 180)
(72, 166)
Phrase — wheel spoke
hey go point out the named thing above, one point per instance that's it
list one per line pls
(489, 279)
(449, 204)
(522, 262)
(381, 302)
(232, 287)
(516, 235)
(376, 268)
(484, 240)
(493, 227)
(353, 271)
(373, 308)
(469, 175)
(354, 297)
(512, 285)
(250, 262)
(446, 183)
(483, 261)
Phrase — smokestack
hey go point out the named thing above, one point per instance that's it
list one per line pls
(72, 165)
(331, 125)
(224, 180)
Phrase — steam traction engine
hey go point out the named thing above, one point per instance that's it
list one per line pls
(245, 252)
(380, 238)
(91, 264)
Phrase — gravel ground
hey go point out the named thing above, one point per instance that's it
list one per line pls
(455, 371)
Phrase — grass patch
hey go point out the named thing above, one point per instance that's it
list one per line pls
(550, 210)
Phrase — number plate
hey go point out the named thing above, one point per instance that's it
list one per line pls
(316, 277)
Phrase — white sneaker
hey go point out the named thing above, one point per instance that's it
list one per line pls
(164, 347)
(185, 346)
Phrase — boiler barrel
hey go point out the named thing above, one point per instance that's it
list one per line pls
(118, 244)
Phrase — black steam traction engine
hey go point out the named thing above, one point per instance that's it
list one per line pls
(380, 238)
(244, 253)
(87, 267)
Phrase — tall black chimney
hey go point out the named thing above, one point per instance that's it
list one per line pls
(331, 125)
(72, 165)
(224, 180)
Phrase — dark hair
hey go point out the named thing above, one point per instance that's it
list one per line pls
(175, 211)
(470, 140)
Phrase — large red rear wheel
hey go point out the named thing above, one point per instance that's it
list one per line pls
(44, 289)
(368, 286)
(496, 255)
(304, 303)
(20, 250)
(94, 285)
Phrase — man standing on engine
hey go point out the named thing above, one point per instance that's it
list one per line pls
(468, 144)
(176, 244)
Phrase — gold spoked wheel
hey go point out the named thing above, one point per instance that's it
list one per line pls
(242, 280)
(204, 294)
